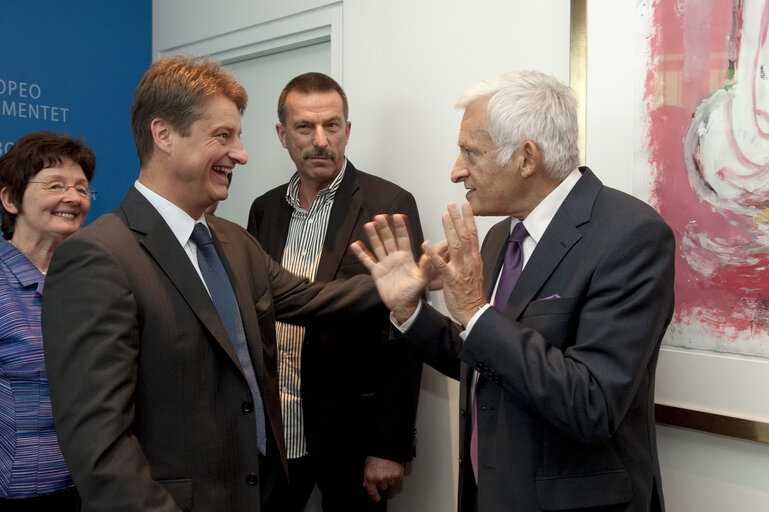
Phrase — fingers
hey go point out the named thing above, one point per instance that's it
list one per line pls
(374, 240)
(381, 237)
(436, 258)
(389, 241)
(460, 229)
(442, 248)
(363, 255)
(468, 220)
(372, 491)
(384, 239)
(403, 238)
(383, 485)
(463, 223)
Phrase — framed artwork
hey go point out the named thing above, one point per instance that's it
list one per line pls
(702, 160)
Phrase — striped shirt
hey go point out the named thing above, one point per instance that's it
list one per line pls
(301, 256)
(31, 463)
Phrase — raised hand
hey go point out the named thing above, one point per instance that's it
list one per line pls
(462, 270)
(399, 280)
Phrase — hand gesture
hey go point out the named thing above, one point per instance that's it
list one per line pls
(399, 280)
(462, 269)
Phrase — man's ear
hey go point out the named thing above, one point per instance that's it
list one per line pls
(162, 134)
(281, 131)
(531, 159)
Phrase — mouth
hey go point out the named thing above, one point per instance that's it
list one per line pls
(66, 215)
(224, 172)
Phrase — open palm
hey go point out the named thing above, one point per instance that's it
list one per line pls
(399, 280)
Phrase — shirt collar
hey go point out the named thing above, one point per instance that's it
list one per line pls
(178, 220)
(328, 193)
(25, 271)
(539, 219)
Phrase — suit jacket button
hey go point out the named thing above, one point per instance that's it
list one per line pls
(252, 478)
(461, 461)
(247, 407)
(462, 412)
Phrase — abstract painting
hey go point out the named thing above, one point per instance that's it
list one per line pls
(703, 164)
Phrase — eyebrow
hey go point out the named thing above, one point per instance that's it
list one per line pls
(304, 120)
(59, 177)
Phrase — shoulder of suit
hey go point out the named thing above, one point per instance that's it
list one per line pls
(621, 202)
(109, 234)
(378, 184)
(276, 194)
(220, 225)
(107, 226)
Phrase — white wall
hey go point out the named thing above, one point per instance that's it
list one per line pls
(403, 64)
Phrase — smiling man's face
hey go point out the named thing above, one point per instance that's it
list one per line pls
(203, 160)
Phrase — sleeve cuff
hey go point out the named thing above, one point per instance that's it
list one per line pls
(464, 334)
(405, 326)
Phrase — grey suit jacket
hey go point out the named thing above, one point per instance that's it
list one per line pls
(565, 401)
(152, 409)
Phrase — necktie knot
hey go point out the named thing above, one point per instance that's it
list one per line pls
(519, 233)
(200, 234)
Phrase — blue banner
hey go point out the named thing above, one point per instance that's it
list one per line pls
(71, 67)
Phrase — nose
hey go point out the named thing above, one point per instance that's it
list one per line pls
(319, 139)
(238, 153)
(71, 195)
(459, 171)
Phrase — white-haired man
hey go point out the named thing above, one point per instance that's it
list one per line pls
(558, 325)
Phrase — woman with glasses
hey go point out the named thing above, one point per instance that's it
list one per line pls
(44, 198)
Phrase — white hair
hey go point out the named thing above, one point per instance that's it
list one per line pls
(530, 106)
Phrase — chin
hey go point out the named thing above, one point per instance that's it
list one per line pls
(478, 209)
(220, 194)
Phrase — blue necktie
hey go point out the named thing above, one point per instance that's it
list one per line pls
(512, 266)
(223, 297)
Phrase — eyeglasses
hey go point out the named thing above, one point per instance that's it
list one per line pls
(58, 188)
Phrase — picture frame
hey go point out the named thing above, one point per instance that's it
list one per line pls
(711, 392)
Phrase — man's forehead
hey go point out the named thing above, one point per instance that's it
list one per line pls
(308, 103)
(473, 130)
(219, 110)
(295, 96)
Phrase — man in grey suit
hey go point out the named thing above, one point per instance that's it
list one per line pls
(557, 381)
(164, 395)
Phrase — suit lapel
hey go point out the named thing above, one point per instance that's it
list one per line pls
(492, 255)
(273, 238)
(558, 239)
(161, 244)
(344, 213)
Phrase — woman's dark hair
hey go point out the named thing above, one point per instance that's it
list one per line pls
(31, 154)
